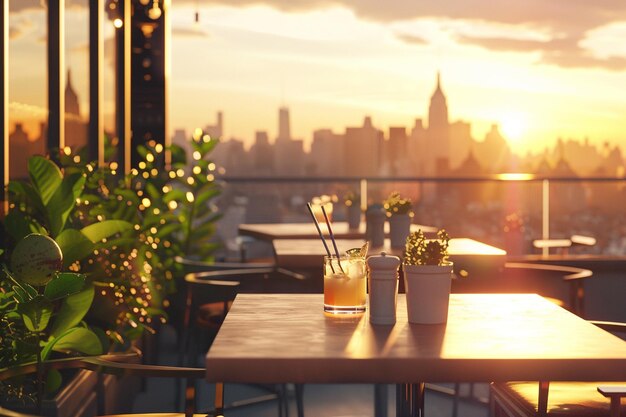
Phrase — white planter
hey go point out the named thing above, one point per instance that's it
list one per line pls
(427, 292)
(399, 228)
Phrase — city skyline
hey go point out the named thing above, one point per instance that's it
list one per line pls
(334, 62)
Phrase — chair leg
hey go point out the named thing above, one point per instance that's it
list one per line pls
(219, 399)
(455, 400)
(300, 399)
(380, 400)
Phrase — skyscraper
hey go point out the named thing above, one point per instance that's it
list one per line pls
(284, 130)
(439, 128)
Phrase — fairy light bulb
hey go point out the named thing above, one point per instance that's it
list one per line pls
(155, 11)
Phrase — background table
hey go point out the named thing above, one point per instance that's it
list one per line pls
(270, 231)
(309, 253)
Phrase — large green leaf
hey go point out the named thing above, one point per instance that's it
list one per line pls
(75, 339)
(45, 176)
(53, 381)
(74, 245)
(72, 310)
(63, 201)
(105, 229)
(64, 284)
(18, 225)
(35, 313)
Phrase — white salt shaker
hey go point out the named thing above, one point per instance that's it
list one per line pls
(383, 288)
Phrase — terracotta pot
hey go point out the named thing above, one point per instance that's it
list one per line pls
(427, 292)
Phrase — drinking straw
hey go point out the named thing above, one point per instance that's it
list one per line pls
(317, 226)
(332, 238)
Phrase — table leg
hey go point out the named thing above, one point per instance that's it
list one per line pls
(542, 401)
(410, 400)
(219, 399)
(380, 400)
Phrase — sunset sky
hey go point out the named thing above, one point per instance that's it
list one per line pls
(541, 69)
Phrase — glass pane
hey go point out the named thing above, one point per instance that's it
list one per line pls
(28, 107)
(77, 73)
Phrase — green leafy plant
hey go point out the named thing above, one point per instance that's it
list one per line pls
(122, 233)
(396, 204)
(42, 310)
(421, 251)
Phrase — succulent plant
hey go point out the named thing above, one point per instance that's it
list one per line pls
(421, 251)
(396, 204)
(36, 259)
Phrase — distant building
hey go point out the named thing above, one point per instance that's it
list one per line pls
(327, 154)
(438, 125)
(216, 130)
(362, 149)
(76, 129)
(262, 155)
(289, 153)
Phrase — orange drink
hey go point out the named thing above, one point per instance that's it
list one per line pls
(345, 283)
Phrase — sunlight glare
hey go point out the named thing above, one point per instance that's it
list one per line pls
(513, 126)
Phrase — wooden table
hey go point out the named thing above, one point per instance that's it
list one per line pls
(271, 338)
(270, 231)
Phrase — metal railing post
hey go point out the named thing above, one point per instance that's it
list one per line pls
(363, 184)
(545, 214)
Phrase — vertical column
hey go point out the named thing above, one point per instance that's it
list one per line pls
(4, 88)
(96, 59)
(56, 82)
(167, 39)
(545, 214)
(123, 85)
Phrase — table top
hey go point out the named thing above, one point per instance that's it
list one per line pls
(271, 231)
(270, 338)
(309, 253)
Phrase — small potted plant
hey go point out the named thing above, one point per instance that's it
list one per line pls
(352, 201)
(399, 211)
(427, 277)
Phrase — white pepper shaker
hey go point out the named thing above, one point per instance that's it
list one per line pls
(383, 288)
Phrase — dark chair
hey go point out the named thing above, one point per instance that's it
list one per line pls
(210, 289)
(563, 285)
(563, 399)
(116, 365)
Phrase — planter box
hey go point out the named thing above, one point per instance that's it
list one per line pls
(77, 397)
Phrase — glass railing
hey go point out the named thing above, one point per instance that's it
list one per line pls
(511, 211)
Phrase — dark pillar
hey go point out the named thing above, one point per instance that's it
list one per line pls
(4, 88)
(123, 76)
(96, 59)
(150, 63)
(56, 82)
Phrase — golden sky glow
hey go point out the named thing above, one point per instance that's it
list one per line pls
(333, 62)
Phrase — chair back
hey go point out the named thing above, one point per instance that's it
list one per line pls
(560, 282)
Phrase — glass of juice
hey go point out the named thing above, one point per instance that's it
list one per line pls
(345, 283)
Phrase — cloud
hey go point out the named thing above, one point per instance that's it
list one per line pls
(189, 32)
(412, 39)
(566, 21)
(21, 5)
(20, 28)
(564, 52)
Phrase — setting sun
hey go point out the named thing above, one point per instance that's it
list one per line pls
(514, 126)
